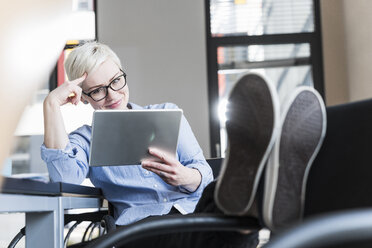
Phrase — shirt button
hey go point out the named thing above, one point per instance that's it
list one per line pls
(147, 172)
(155, 185)
(165, 199)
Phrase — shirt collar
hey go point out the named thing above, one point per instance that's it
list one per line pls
(134, 106)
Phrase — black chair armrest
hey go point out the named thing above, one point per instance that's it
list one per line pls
(330, 229)
(172, 224)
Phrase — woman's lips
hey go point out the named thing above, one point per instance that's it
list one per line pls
(114, 105)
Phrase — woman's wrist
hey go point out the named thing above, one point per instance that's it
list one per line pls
(51, 103)
(194, 180)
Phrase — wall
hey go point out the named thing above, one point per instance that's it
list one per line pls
(163, 50)
(347, 40)
(162, 46)
(334, 57)
(358, 23)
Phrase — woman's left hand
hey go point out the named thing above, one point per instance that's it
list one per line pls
(172, 171)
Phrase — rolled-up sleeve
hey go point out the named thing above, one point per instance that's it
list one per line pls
(69, 165)
(191, 155)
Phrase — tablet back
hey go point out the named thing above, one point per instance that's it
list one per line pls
(122, 137)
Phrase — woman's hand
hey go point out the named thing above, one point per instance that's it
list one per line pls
(55, 135)
(69, 91)
(172, 171)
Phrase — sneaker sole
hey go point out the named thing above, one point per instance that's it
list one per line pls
(302, 133)
(252, 125)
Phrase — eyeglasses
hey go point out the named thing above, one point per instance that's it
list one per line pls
(101, 93)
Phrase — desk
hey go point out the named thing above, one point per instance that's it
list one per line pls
(44, 205)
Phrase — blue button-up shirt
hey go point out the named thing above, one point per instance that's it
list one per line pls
(134, 192)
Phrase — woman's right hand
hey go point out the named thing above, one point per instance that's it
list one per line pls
(69, 91)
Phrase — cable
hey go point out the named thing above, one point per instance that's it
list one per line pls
(97, 224)
(69, 233)
(86, 231)
(17, 238)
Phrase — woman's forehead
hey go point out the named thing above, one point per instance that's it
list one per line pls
(102, 74)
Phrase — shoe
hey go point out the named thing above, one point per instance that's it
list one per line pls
(302, 133)
(252, 125)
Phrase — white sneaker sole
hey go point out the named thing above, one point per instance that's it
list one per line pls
(252, 126)
(302, 133)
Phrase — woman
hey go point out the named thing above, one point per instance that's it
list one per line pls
(136, 192)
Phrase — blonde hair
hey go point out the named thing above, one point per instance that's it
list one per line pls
(87, 57)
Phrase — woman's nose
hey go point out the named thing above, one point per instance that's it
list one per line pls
(110, 93)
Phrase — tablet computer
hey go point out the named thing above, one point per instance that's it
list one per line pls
(122, 137)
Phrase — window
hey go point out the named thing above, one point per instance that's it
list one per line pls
(278, 38)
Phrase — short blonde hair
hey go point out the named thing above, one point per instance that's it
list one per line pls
(87, 57)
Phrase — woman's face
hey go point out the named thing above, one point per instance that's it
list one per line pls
(103, 76)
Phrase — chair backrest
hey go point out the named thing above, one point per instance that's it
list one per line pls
(215, 164)
(341, 175)
(346, 229)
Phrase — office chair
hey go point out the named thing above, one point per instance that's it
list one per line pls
(178, 223)
(350, 227)
(106, 220)
(322, 231)
(339, 174)
(340, 177)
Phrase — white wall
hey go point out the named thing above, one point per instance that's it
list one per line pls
(334, 57)
(347, 48)
(162, 46)
(358, 23)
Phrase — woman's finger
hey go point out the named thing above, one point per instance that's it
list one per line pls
(163, 156)
(79, 80)
(157, 166)
(75, 95)
(160, 173)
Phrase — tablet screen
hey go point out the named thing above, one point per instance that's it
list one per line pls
(122, 137)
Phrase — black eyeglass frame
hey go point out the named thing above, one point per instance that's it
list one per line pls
(108, 86)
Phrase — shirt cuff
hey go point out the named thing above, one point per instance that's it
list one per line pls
(205, 180)
(49, 154)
